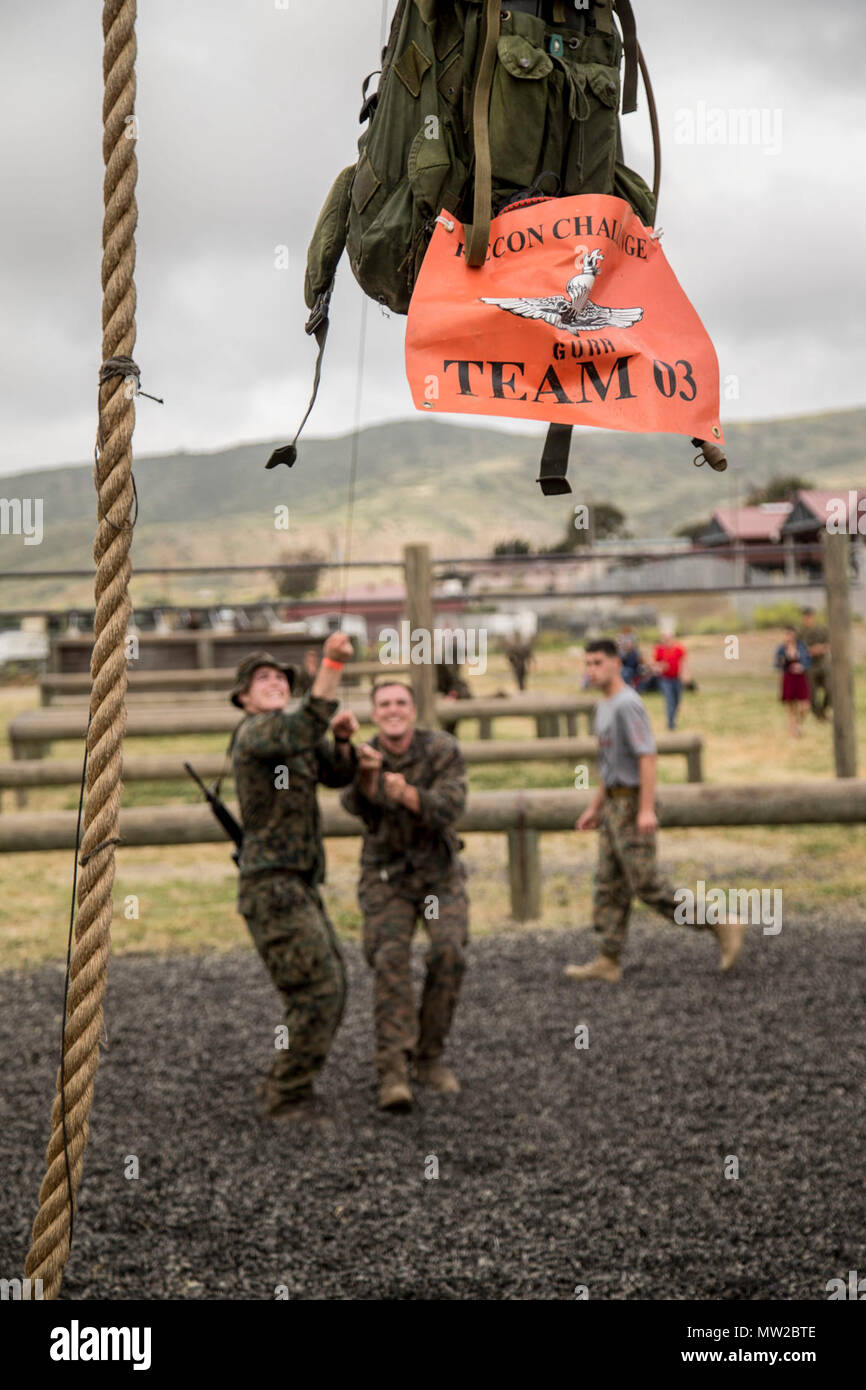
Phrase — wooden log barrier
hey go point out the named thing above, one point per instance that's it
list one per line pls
(168, 767)
(215, 679)
(687, 806)
(32, 733)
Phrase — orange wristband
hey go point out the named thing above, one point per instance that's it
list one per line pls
(334, 665)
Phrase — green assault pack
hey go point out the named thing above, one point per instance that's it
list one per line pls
(476, 105)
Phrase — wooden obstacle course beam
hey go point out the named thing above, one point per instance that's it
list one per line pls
(214, 679)
(46, 726)
(168, 767)
(685, 806)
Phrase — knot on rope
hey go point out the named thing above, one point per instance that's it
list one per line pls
(125, 367)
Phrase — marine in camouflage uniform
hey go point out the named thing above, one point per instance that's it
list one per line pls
(625, 814)
(411, 871)
(451, 684)
(278, 760)
(519, 657)
(816, 639)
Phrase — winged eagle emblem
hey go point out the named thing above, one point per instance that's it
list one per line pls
(573, 312)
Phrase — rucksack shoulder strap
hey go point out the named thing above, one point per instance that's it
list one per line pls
(478, 235)
(629, 43)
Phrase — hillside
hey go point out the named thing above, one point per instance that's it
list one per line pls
(461, 489)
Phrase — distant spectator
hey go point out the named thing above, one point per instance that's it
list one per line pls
(519, 656)
(793, 660)
(816, 639)
(669, 665)
(450, 684)
(629, 655)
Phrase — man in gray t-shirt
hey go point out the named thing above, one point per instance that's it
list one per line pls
(624, 736)
(624, 813)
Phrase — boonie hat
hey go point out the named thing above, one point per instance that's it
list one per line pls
(251, 663)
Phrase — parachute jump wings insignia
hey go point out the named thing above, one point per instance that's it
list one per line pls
(575, 313)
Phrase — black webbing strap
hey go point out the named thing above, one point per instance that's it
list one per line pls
(629, 43)
(554, 461)
(317, 324)
(478, 235)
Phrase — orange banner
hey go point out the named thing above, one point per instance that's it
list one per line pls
(575, 317)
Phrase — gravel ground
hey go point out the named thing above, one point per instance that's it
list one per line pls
(557, 1166)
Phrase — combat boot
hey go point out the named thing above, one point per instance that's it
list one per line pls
(295, 1107)
(437, 1076)
(602, 968)
(731, 936)
(394, 1091)
(302, 1112)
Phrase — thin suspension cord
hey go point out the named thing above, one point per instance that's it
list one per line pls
(353, 466)
(359, 391)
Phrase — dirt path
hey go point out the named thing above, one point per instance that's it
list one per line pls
(558, 1167)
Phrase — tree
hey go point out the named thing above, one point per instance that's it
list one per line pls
(781, 489)
(608, 521)
(295, 583)
(513, 547)
(597, 521)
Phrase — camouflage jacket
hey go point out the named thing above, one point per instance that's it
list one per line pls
(277, 760)
(396, 840)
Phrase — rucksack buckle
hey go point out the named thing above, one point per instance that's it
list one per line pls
(711, 454)
(318, 313)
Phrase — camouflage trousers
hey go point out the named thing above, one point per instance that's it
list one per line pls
(626, 869)
(297, 942)
(391, 914)
(820, 691)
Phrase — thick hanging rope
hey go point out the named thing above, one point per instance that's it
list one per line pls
(113, 478)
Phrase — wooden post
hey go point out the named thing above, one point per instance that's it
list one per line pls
(524, 874)
(419, 611)
(695, 763)
(836, 550)
(204, 651)
(21, 751)
(485, 726)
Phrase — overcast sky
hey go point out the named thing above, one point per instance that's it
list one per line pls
(247, 110)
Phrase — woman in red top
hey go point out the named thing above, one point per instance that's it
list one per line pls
(669, 665)
(793, 660)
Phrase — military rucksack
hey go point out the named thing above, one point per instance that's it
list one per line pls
(476, 106)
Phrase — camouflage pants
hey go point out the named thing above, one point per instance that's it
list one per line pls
(294, 936)
(391, 913)
(820, 695)
(626, 869)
